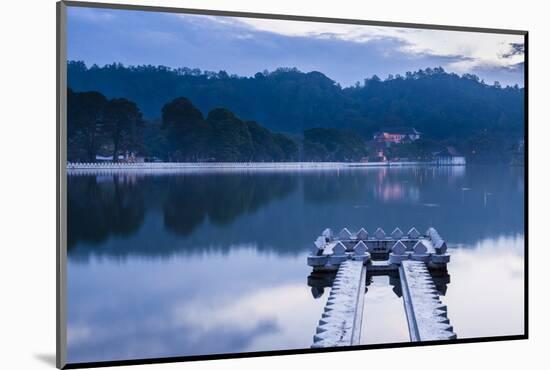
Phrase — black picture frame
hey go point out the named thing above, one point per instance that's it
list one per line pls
(61, 186)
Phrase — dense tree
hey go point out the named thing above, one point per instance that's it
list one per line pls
(155, 141)
(123, 122)
(444, 107)
(230, 140)
(288, 146)
(183, 134)
(186, 130)
(322, 144)
(264, 144)
(441, 105)
(85, 116)
(95, 124)
(221, 137)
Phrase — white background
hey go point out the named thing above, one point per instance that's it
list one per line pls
(27, 203)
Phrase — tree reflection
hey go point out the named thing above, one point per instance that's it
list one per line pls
(102, 206)
(220, 198)
(194, 212)
(98, 207)
(329, 187)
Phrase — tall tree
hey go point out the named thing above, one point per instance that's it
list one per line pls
(231, 140)
(85, 116)
(122, 121)
(187, 131)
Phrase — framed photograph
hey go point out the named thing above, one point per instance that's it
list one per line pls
(235, 184)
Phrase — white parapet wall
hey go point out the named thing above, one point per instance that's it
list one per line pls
(426, 314)
(186, 166)
(340, 324)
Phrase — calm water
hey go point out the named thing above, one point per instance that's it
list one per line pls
(202, 263)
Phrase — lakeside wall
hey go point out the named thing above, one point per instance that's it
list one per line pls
(237, 165)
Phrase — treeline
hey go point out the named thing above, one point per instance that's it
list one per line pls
(220, 137)
(99, 126)
(439, 104)
(95, 123)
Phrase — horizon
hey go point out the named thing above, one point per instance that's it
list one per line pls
(345, 53)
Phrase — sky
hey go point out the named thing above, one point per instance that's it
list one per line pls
(245, 46)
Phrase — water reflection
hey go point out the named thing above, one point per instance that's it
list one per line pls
(171, 265)
(188, 213)
(99, 207)
(390, 188)
(221, 199)
(189, 305)
(485, 297)
(384, 318)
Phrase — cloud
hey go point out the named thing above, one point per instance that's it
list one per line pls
(157, 36)
(151, 308)
(473, 49)
(92, 15)
(483, 269)
(345, 53)
(515, 49)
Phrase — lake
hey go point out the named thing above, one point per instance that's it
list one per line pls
(210, 262)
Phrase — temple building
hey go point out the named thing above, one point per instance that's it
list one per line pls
(396, 135)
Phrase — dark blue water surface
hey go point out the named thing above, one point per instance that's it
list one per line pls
(210, 262)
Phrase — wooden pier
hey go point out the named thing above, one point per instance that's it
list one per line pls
(416, 262)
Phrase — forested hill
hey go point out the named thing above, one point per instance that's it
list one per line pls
(441, 105)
